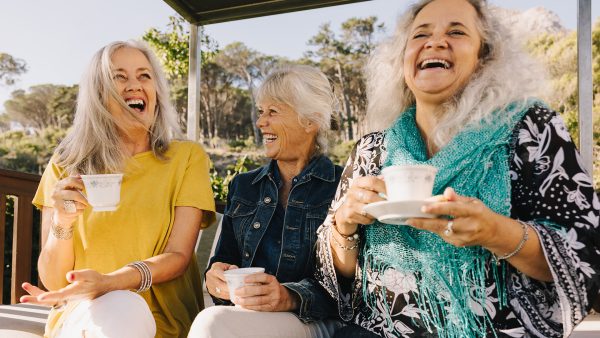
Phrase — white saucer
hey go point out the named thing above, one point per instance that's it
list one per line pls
(397, 212)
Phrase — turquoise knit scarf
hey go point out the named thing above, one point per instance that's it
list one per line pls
(448, 279)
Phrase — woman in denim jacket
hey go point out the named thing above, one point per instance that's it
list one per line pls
(272, 216)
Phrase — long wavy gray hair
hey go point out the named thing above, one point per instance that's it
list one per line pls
(93, 144)
(505, 75)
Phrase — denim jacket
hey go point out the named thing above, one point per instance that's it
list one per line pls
(251, 204)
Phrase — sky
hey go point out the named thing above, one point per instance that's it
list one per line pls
(57, 38)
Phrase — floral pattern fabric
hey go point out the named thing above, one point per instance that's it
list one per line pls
(550, 190)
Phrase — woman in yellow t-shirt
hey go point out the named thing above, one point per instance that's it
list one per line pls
(124, 123)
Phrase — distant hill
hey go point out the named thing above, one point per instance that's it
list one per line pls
(525, 25)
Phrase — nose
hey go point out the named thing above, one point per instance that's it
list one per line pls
(133, 85)
(261, 121)
(437, 41)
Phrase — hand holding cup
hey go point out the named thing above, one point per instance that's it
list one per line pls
(364, 190)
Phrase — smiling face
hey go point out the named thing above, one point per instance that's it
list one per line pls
(442, 50)
(133, 77)
(284, 137)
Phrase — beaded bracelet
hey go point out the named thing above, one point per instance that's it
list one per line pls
(351, 237)
(144, 270)
(343, 247)
(525, 228)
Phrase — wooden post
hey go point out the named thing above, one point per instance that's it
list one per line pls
(193, 112)
(584, 80)
(22, 240)
(2, 238)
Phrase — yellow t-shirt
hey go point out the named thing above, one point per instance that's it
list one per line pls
(140, 228)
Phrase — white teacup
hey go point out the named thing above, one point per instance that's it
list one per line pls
(103, 191)
(409, 182)
(235, 278)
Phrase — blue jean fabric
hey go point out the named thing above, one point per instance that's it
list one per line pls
(251, 205)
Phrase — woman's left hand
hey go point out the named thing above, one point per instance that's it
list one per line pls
(84, 284)
(267, 295)
(471, 223)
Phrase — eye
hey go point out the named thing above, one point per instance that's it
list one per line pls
(119, 77)
(419, 35)
(145, 76)
(260, 112)
(456, 32)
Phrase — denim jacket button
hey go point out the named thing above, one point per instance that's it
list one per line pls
(256, 225)
(246, 254)
(267, 200)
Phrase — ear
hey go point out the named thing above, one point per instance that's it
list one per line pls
(310, 127)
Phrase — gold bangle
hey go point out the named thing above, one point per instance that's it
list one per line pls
(59, 231)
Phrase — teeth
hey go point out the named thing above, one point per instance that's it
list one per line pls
(134, 101)
(426, 62)
(269, 137)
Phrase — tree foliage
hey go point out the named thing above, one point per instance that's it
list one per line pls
(42, 106)
(10, 68)
(342, 57)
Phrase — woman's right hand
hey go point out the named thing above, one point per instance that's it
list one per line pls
(215, 280)
(68, 189)
(350, 214)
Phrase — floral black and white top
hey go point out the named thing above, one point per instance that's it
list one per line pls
(548, 183)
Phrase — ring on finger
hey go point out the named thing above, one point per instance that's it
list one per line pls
(69, 206)
(363, 213)
(449, 228)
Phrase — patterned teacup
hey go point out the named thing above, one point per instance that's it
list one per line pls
(409, 182)
(103, 192)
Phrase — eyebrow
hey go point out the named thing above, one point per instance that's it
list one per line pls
(137, 70)
(452, 24)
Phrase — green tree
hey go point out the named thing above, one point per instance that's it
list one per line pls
(10, 68)
(172, 48)
(343, 58)
(42, 106)
(249, 67)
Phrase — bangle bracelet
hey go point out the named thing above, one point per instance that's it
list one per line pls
(144, 270)
(343, 247)
(351, 237)
(59, 231)
(525, 228)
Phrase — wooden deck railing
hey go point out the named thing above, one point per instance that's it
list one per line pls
(22, 186)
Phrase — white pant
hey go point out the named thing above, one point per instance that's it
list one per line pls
(116, 314)
(233, 321)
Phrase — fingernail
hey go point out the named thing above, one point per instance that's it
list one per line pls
(424, 209)
(409, 223)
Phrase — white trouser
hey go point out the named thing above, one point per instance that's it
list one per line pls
(116, 314)
(233, 322)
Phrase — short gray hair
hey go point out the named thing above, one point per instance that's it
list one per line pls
(93, 144)
(505, 75)
(308, 91)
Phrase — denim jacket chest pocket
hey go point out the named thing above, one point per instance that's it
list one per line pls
(241, 213)
(315, 215)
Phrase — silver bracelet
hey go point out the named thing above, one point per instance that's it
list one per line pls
(144, 270)
(59, 231)
(525, 227)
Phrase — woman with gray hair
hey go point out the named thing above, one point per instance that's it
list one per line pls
(510, 249)
(271, 219)
(124, 123)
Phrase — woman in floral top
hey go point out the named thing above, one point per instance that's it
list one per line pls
(514, 249)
